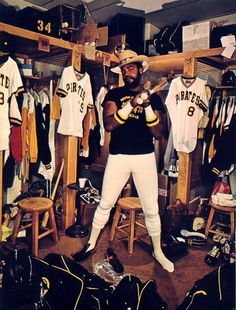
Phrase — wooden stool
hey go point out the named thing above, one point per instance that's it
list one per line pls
(220, 210)
(35, 205)
(130, 205)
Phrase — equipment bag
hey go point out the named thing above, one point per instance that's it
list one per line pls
(55, 282)
(215, 291)
(132, 294)
(174, 217)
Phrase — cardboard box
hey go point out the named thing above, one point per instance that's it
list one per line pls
(163, 192)
(102, 36)
(115, 41)
(25, 66)
(86, 34)
(88, 212)
(167, 189)
(196, 36)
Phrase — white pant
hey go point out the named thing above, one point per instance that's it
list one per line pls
(117, 172)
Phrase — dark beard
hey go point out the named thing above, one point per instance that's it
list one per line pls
(132, 84)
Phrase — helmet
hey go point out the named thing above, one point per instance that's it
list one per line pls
(228, 79)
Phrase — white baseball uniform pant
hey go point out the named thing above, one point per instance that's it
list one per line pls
(144, 171)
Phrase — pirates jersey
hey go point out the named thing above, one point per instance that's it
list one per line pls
(186, 103)
(10, 83)
(75, 94)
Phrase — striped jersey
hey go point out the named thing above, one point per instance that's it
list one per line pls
(10, 83)
(75, 94)
(186, 103)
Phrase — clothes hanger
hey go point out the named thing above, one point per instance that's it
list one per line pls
(188, 77)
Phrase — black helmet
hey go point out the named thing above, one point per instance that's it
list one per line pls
(228, 79)
(5, 43)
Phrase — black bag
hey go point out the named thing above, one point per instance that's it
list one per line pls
(20, 286)
(215, 291)
(174, 217)
(161, 40)
(91, 291)
(132, 294)
(169, 38)
(173, 248)
(56, 282)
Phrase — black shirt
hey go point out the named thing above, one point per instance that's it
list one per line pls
(133, 137)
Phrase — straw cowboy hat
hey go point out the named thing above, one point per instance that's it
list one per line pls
(126, 57)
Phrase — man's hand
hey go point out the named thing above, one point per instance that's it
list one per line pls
(142, 99)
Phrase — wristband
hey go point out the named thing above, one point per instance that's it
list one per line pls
(151, 118)
(122, 114)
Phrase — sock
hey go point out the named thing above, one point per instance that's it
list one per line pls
(94, 234)
(159, 255)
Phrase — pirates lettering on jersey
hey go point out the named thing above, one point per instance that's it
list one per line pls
(75, 88)
(4, 81)
(191, 97)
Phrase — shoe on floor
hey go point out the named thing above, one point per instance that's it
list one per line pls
(213, 256)
(83, 254)
(225, 250)
(114, 261)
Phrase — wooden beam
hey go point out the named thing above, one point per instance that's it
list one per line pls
(167, 63)
(31, 35)
(196, 54)
(185, 159)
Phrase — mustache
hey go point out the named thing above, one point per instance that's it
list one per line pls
(129, 79)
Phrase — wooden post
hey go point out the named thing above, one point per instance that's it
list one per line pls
(70, 158)
(69, 176)
(1, 193)
(185, 159)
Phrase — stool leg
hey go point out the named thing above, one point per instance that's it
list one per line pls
(131, 231)
(232, 225)
(53, 225)
(16, 225)
(209, 221)
(115, 223)
(35, 234)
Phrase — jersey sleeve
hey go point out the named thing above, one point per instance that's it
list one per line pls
(61, 90)
(16, 84)
(89, 94)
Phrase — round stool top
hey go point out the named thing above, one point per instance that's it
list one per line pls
(226, 209)
(38, 204)
(130, 203)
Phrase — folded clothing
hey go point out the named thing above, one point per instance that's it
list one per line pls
(226, 200)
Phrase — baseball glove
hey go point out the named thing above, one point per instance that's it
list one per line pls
(196, 240)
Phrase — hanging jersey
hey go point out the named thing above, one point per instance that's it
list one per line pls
(186, 103)
(10, 82)
(75, 93)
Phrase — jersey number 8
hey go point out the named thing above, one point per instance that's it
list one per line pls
(1, 98)
(191, 110)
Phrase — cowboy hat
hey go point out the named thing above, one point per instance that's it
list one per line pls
(126, 57)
